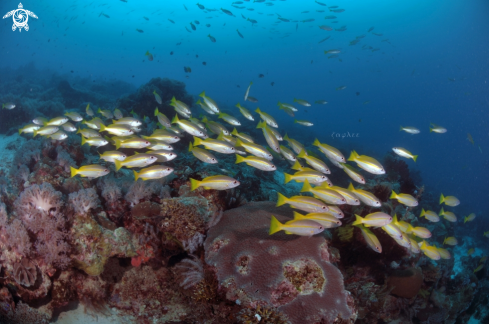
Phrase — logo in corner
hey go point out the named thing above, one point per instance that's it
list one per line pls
(20, 17)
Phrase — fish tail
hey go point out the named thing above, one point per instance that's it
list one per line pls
(445, 240)
(197, 141)
(431, 129)
(400, 128)
(190, 147)
(239, 159)
(260, 125)
(117, 143)
(275, 226)
(3, 106)
(286, 137)
(358, 220)
(298, 216)
(423, 213)
(220, 115)
(350, 187)
(442, 211)
(295, 121)
(156, 111)
(288, 177)
(393, 195)
(20, 131)
(83, 140)
(257, 110)
(281, 200)
(235, 132)
(73, 171)
(147, 53)
(302, 154)
(136, 175)
(306, 187)
(394, 219)
(316, 142)
(442, 199)
(239, 142)
(415, 157)
(466, 219)
(175, 119)
(194, 184)
(353, 156)
(297, 166)
(118, 164)
(102, 127)
(34, 133)
(202, 94)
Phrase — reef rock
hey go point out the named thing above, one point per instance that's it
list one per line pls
(290, 272)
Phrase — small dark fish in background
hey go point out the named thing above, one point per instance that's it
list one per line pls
(71, 71)
(211, 38)
(238, 86)
(171, 21)
(187, 69)
(140, 30)
(197, 55)
(185, 7)
(207, 25)
(204, 63)
(149, 55)
(240, 35)
(272, 84)
(357, 93)
(146, 18)
(261, 75)
(133, 76)
(180, 43)
(171, 53)
(193, 26)
(197, 22)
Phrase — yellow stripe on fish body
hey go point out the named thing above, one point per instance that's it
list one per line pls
(117, 129)
(377, 219)
(242, 136)
(430, 251)
(188, 127)
(74, 116)
(287, 154)
(256, 162)
(403, 226)
(153, 172)
(286, 105)
(448, 215)
(215, 127)
(450, 241)
(158, 145)
(89, 110)
(451, 201)
(58, 136)
(351, 198)
(209, 102)
(479, 268)
(313, 176)
(326, 220)
(90, 171)
(206, 108)
(327, 195)
(40, 121)
(218, 182)
(94, 141)
(414, 246)
(418, 231)
(297, 227)
(136, 161)
(315, 163)
(296, 146)
(404, 153)
(276, 134)
(353, 173)
(229, 119)
(245, 112)
(111, 156)
(182, 112)
(69, 127)
(106, 113)
(405, 241)
(367, 163)
(307, 204)
(437, 129)
(88, 132)
(162, 118)
(228, 138)
(370, 238)
(203, 155)
(331, 152)
(255, 149)
(366, 197)
(46, 130)
(393, 230)
(335, 211)
(469, 218)
(404, 199)
(182, 106)
(267, 118)
(163, 155)
(198, 123)
(118, 114)
(168, 138)
(129, 121)
(57, 121)
(270, 138)
(430, 215)
(29, 128)
(136, 143)
(215, 145)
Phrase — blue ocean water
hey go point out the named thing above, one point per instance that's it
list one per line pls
(428, 62)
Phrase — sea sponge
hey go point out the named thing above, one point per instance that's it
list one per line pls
(290, 272)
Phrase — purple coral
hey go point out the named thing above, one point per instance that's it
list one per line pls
(18, 238)
(111, 191)
(25, 272)
(191, 271)
(83, 200)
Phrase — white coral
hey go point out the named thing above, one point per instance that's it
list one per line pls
(83, 200)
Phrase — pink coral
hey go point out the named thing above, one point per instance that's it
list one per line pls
(290, 272)
(83, 200)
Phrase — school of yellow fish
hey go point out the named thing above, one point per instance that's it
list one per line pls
(322, 208)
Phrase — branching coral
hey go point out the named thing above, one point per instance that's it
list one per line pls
(191, 271)
(83, 200)
(142, 190)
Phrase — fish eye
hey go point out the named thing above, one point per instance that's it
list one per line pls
(235, 182)
(147, 143)
(320, 227)
(106, 170)
(324, 207)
